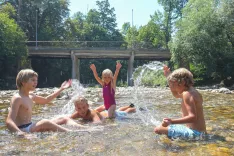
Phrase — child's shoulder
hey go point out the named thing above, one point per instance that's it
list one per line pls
(192, 93)
(32, 95)
(93, 112)
(16, 98)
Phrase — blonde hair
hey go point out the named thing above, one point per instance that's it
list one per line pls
(108, 72)
(180, 75)
(80, 100)
(23, 76)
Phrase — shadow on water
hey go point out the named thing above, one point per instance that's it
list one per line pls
(132, 135)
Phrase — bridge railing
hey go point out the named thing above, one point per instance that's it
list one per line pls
(78, 44)
(93, 44)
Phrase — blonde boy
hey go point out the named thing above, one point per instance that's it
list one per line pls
(181, 85)
(82, 111)
(20, 113)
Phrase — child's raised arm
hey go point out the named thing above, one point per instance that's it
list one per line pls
(45, 100)
(166, 70)
(118, 66)
(93, 68)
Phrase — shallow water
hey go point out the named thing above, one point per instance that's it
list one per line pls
(128, 136)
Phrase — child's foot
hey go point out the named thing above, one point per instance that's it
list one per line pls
(141, 109)
(131, 105)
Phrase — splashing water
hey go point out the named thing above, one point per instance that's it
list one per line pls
(77, 90)
(145, 114)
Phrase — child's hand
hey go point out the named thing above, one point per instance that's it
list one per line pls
(166, 122)
(93, 67)
(118, 65)
(66, 84)
(25, 135)
(166, 70)
(20, 134)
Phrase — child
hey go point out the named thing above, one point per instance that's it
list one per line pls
(82, 111)
(20, 113)
(181, 85)
(108, 83)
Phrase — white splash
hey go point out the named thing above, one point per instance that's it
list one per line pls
(77, 90)
(146, 115)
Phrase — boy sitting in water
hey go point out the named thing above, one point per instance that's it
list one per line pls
(181, 85)
(82, 111)
(20, 113)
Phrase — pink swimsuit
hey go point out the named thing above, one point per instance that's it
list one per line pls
(108, 95)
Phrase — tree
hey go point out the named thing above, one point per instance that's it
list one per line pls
(202, 39)
(12, 44)
(172, 11)
(46, 15)
(151, 36)
(107, 16)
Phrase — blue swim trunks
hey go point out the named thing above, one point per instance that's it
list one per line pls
(182, 132)
(120, 113)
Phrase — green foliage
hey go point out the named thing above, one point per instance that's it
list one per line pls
(107, 16)
(202, 39)
(148, 77)
(48, 14)
(11, 37)
(125, 27)
(151, 35)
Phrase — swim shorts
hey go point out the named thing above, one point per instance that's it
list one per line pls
(25, 127)
(182, 132)
(119, 113)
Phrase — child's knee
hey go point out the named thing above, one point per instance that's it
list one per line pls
(45, 122)
(161, 130)
(157, 130)
(65, 120)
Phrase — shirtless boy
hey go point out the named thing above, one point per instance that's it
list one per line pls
(20, 113)
(181, 85)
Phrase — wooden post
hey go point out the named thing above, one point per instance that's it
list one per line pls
(130, 69)
(75, 66)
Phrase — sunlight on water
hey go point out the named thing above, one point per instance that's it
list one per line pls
(127, 136)
(146, 115)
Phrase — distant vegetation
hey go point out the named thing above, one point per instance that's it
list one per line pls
(198, 33)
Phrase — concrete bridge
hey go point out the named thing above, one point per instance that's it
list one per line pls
(99, 50)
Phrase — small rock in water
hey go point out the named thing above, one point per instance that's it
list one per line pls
(224, 90)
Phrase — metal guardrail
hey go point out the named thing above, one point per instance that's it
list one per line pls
(93, 44)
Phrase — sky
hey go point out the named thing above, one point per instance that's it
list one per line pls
(142, 9)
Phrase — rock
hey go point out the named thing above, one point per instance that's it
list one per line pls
(224, 90)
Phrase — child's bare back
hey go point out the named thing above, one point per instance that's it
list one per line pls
(181, 83)
(195, 100)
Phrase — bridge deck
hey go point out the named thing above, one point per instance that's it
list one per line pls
(92, 53)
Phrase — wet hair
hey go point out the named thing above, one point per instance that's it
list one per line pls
(79, 100)
(23, 76)
(109, 73)
(180, 75)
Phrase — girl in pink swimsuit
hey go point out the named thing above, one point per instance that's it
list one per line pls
(108, 83)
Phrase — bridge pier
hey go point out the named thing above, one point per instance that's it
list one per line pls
(75, 66)
(130, 69)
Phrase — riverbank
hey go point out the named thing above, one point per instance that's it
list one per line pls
(92, 91)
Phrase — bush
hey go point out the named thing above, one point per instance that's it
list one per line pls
(148, 77)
